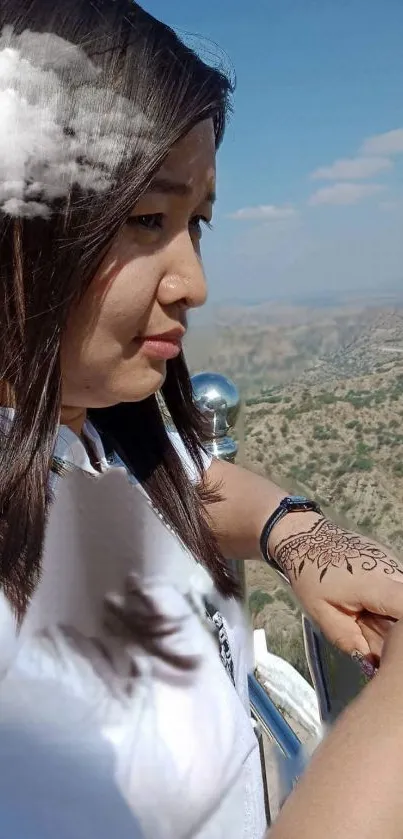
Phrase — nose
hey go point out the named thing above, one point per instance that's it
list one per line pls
(184, 281)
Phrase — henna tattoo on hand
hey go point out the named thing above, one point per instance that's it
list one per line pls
(326, 545)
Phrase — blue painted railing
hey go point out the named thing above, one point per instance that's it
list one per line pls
(272, 721)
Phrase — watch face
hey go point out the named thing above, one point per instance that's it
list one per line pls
(295, 500)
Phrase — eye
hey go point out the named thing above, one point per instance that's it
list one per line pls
(197, 222)
(150, 221)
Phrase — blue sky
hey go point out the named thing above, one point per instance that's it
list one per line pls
(310, 176)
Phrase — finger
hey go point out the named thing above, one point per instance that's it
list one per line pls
(389, 601)
(374, 641)
(367, 664)
(375, 630)
(344, 632)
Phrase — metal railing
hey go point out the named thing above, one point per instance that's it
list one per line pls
(218, 399)
(335, 678)
(271, 720)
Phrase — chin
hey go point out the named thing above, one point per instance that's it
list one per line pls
(119, 386)
(134, 390)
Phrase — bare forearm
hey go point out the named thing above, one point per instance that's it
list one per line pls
(353, 786)
(247, 502)
(298, 540)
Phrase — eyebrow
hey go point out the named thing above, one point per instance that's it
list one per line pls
(168, 187)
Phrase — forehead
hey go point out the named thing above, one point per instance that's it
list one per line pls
(192, 160)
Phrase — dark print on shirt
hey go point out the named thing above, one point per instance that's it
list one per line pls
(216, 622)
(213, 617)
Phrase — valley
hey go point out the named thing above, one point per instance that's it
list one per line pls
(322, 415)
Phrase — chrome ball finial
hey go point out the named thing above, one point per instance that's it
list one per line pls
(217, 397)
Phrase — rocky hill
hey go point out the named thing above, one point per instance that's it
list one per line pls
(372, 345)
(323, 416)
(263, 346)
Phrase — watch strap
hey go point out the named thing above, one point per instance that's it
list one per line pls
(289, 504)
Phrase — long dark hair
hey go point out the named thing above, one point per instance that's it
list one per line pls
(46, 264)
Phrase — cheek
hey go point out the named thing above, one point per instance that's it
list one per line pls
(127, 281)
(125, 272)
(101, 363)
(117, 305)
(123, 298)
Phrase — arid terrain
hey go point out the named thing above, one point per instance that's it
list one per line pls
(323, 414)
(270, 344)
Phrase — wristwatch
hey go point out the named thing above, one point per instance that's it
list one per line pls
(290, 504)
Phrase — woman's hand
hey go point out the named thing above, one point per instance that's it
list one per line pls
(339, 577)
(343, 580)
(392, 652)
(385, 637)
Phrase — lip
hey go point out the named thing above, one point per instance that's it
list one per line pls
(174, 335)
(165, 345)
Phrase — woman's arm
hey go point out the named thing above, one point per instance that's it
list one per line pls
(353, 786)
(247, 502)
(338, 576)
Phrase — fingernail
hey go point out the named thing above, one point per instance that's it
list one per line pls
(367, 668)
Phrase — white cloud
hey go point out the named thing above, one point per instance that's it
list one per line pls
(391, 142)
(263, 212)
(351, 169)
(344, 193)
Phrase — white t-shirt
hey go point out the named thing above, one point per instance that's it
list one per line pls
(185, 754)
(57, 776)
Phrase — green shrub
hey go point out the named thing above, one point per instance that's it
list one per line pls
(289, 645)
(366, 523)
(362, 448)
(321, 432)
(258, 600)
(290, 413)
(363, 464)
(326, 399)
(284, 595)
(348, 504)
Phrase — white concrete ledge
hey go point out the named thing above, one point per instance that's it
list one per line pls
(286, 687)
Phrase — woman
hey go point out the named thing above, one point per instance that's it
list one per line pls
(109, 132)
(107, 177)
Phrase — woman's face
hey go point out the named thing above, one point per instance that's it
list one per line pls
(133, 317)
